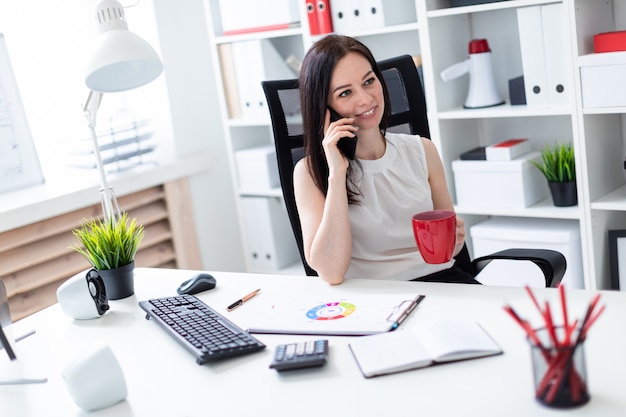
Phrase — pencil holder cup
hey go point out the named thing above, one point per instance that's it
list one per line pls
(559, 370)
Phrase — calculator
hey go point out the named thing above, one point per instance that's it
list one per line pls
(300, 355)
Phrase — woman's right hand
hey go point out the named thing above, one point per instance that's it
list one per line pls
(334, 131)
(324, 217)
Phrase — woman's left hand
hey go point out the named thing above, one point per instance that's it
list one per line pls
(460, 235)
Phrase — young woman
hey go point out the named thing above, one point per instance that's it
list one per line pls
(356, 214)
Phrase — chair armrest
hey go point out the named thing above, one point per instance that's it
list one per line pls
(551, 263)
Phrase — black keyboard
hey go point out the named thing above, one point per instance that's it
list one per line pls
(201, 330)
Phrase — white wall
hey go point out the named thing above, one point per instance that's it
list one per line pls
(197, 125)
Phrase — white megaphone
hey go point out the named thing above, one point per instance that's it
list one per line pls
(482, 89)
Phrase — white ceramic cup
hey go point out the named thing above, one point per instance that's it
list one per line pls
(95, 379)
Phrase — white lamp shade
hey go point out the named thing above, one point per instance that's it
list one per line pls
(122, 61)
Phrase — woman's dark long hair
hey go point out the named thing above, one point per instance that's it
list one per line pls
(315, 76)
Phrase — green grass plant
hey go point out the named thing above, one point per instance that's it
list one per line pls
(557, 163)
(109, 244)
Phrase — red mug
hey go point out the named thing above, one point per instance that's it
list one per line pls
(435, 235)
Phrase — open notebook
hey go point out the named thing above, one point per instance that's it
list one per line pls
(357, 314)
(428, 343)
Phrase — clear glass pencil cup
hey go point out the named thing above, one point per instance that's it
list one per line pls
(559, 370)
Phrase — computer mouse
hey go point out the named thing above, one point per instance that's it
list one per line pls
(197, 283)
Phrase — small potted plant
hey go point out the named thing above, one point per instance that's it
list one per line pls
(110, 247)
(557, 165)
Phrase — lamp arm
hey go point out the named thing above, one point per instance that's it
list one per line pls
(110, 208)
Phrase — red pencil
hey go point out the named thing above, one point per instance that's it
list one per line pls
(532, 297)
(563, 305)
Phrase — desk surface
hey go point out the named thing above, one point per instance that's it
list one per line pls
(163, 378)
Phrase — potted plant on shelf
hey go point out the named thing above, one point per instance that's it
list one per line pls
(110, 247)
(557, 165)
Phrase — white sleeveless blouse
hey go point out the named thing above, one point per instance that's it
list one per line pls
(393, 189)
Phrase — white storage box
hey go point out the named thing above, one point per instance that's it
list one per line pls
(602, 79)
(245, 16)
(501, 233)
(499, 184)
(349, 16)
(270, 242)
(257, 168)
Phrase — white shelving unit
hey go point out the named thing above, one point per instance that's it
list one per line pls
(243, 133)
(441, 35)
(602, 141)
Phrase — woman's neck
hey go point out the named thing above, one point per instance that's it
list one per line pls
(370, 145)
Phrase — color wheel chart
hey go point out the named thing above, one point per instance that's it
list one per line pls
(331, 311)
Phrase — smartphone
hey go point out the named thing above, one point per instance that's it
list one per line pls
(345, 145)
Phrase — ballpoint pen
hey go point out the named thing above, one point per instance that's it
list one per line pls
(242, 300)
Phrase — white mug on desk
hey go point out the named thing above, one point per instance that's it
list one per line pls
(95, 379)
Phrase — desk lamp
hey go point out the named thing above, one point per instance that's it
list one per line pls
(122, 61)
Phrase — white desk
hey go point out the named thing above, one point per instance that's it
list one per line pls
(164, 380)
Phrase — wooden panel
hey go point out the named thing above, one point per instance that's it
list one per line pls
(36, 259)
(51, 227)
(150, 213)
(182, 224)
(156, 233)
(156, 256)
(25, 304)
(34, 253)
(141, 198)
(30, 278)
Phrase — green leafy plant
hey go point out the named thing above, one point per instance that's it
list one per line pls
(557, 163)
(109, 244)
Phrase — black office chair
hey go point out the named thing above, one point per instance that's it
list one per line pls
(408, 115)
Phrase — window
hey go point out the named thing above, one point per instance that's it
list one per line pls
(49, 43)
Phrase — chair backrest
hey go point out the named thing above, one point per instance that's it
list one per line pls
(408, 115)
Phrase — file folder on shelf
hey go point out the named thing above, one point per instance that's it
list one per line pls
(382, 13)
(324, 16)
(311, 14)
(557, 60)
(533, 56)
(319, 16)
(374, 13)
(546, 65)
(347, 15)
(255, 61)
